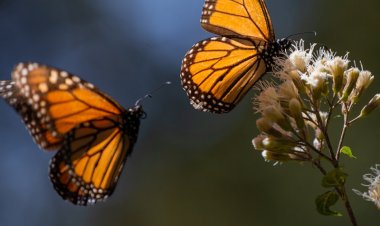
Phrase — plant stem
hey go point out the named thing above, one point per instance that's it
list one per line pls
(321, 154)
(325, 134)
(318, 165)
(353, 120)
(332, 106)
(342, 135)
(341, 141)
(344, 197)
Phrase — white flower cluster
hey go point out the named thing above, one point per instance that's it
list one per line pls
(312, 71)
(296, 112)
(373, 193)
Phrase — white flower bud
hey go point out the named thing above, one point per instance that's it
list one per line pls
(268, 97)
(317, 82)
(295, 77)
(266, 126)
(280, 145)
(318, 144)
(365, 79)
(287, 91)
(319, 66)
(337, 66)
(258, 142)
(296, 112)
(300, 60)
(352, 76)
(284, 157)
(274, 156)
(372, 105)
(273, 113)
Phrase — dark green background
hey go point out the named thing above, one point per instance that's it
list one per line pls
(188, 167)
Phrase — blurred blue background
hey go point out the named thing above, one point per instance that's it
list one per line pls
(188, 167)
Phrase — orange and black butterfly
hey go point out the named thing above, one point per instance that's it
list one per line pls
(92, 133)
(217, 72)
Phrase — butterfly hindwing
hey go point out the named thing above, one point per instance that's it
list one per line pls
(242, 18)
(87, 167)
(217, 72)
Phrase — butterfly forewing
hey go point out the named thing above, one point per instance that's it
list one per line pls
(242, 18)
(60, 100)
(217, 72)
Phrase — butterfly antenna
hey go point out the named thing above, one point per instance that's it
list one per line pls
(149, 95)
(302, 33)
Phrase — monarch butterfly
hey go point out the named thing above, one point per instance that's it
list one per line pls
(216, 73)
(92, 132)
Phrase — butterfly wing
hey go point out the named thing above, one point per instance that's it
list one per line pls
(37, 130)
(56, 101)
(241, 18)
(87, 167)
(216, 73)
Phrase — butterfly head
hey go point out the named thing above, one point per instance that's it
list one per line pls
(284, 44)
(137, 112)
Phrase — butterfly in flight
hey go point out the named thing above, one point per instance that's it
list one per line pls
(92, 133)
(216, 73)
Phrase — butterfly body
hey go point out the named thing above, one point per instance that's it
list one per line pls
(273, 51)
(217, 72)
(93, 134)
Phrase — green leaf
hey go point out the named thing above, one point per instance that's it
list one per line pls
(334, 178)
(347, 151)
(325, 201)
